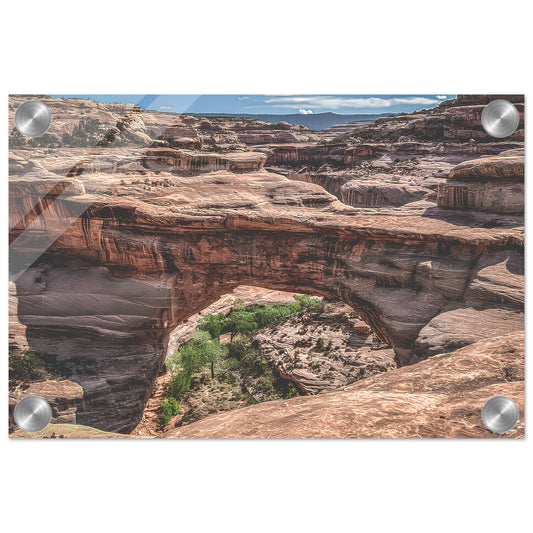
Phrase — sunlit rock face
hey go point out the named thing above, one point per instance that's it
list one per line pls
(441, 397)
(493, 184)
(402, 159)
(107, 262)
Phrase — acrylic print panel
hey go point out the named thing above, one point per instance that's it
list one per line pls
(247, 266)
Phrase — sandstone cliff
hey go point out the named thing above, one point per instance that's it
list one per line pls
(494, 184)
(438, 398)
(398, 159)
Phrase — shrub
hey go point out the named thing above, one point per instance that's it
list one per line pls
(178, 386)
(254, 364)
(27, 366)
(169, 407)
(314, 305)
(46, 140)
(304, 343)
(238, 305)
(232, 363)
(16, 139)
(237, 349)
(291, 391)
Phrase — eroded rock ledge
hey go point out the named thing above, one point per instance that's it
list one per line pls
(494, 184)
(438, 398)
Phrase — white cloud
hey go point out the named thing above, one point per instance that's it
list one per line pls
(244, 97)
(336, 102)
(165, 107)
(441, 96)
(305, 111)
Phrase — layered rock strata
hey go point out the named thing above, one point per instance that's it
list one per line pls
(324, 352)
(494, 184)
(438, 398)
(358, 165)
(64, 397)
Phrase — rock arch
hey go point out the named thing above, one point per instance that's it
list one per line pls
(102, 297)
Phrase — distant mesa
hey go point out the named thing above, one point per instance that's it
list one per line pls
(313, 121)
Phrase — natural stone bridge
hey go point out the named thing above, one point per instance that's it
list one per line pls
(102, 280)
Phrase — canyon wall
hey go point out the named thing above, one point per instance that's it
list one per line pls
(103, 297)
(400, 159)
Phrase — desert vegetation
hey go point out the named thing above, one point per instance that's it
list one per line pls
(29, 366)
(221, 373)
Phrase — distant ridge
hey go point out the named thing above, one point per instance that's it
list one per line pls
(314, 121)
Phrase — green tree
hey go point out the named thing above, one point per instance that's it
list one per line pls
(190, 358)
(212, 324)
(238, 305)
(241, 322)
(310, 304)
(237, 349)
(208, 350)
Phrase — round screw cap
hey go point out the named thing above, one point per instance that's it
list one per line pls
(32, 118)
(500, 118)
(500, 414)
(32, 413)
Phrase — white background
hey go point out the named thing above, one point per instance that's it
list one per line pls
(262, 47)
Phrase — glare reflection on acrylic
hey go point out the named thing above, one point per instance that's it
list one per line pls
(229, 266)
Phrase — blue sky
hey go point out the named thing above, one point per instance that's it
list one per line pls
(274, 104)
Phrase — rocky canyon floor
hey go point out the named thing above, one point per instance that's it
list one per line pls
(130, 228)
(317, 352)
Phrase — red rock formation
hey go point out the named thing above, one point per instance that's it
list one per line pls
(494, 184)
(319, 353)
(438, 398)
(361, 328)
(139, 267)
(171, 160)
(435, 139)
